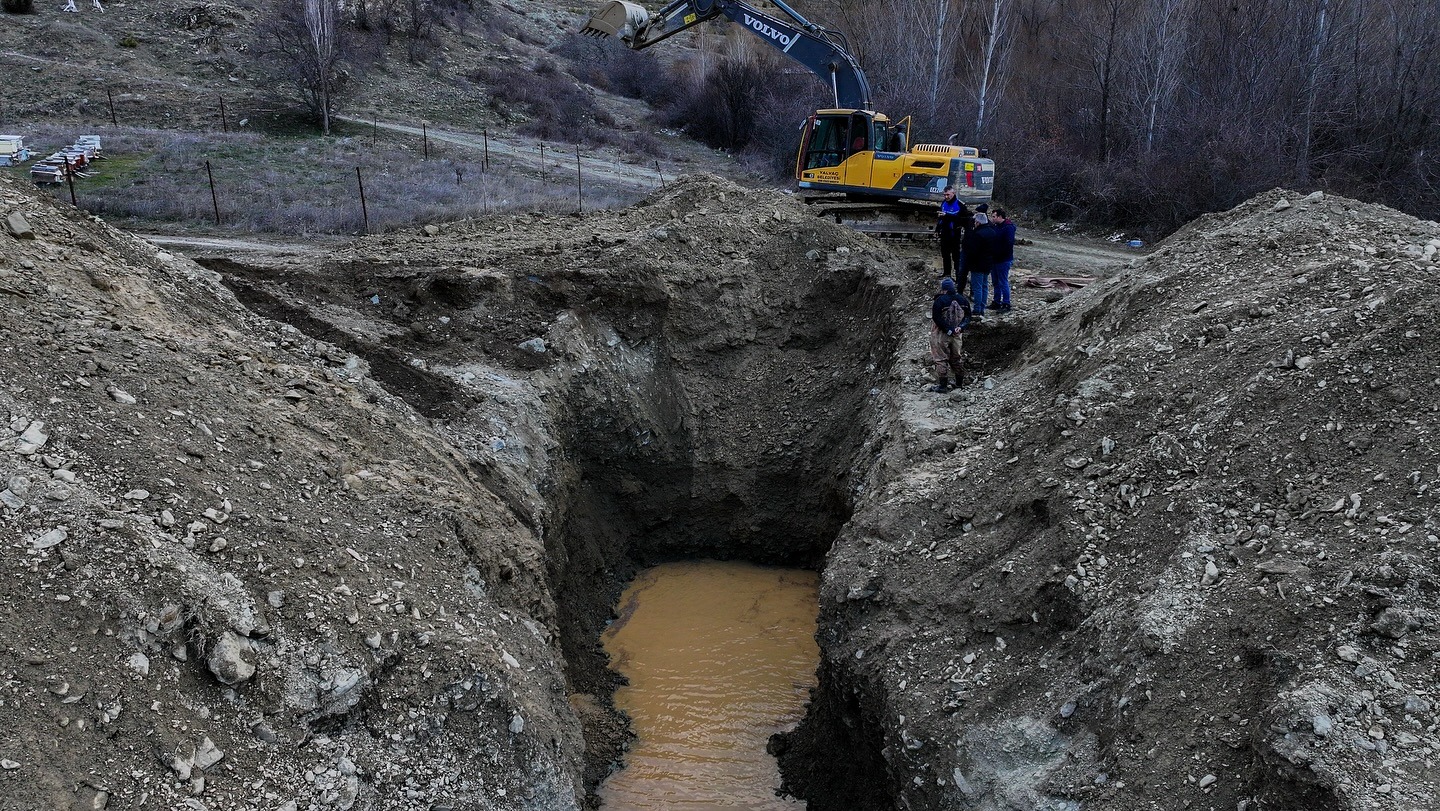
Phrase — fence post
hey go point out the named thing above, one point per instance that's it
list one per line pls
(660, 173)
(425, 135)
(364, 210)
(70, 179)
(214, 199)
(579, 182)
(224, 123)
(109, 96)
(486, 134)
(374, 131)
(542, 161)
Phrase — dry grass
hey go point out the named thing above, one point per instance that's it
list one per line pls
(297, 185)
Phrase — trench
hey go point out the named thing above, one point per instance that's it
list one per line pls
(742, 443)
(743, 451)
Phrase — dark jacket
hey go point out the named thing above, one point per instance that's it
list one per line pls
(1005, 245)
(951, 223)
(940, 312)
(979, 249)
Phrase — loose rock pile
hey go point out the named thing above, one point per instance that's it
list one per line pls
(1184, 552)
(237, 572)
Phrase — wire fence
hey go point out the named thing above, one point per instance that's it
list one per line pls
(368, 176)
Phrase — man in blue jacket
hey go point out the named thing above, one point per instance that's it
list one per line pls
(950, 226)
(978, 258)
(1004, 258)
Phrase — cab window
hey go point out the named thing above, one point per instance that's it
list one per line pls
(827, 143)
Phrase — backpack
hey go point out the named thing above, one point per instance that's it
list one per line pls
(957, 314)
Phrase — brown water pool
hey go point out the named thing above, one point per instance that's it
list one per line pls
(719, 657)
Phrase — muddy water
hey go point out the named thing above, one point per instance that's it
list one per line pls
(719, 657)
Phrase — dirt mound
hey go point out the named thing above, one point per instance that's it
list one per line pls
(1176, 547)
(237, 571)
(1182, 552)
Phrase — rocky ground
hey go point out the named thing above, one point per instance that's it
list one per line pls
(239, 573)
(1181, 553)
(357, 520)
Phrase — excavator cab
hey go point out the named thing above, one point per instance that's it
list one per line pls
(836, 141)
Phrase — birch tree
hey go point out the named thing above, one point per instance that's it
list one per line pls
(1313, 70)
(305, 48)
(908, 49)
(1161, 45)
(992, 59)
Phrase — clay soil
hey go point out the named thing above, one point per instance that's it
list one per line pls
(342, 529)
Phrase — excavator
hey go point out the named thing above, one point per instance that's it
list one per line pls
(854, 164)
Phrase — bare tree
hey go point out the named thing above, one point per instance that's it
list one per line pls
(306, 50)
(1312, 85)
(991, 59)
(1160, 47)
(908, 49)
(944, 25)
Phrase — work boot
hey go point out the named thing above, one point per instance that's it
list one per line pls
(941, 387)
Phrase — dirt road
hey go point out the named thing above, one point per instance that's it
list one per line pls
(1047, 253)
(608, 168)
(1055, 254)
(199, 245)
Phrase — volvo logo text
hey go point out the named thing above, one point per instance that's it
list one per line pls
(765, 30)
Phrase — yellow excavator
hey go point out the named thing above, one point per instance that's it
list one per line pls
(855, 164)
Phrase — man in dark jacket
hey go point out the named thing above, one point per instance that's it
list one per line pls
(949, 315)
(950, 226)
(977, 260)
(1004, 258)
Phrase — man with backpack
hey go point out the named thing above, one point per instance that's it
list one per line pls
(949, 315)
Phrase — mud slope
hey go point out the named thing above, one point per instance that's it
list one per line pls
(237, 572)
(1182, 554)
(698, 376)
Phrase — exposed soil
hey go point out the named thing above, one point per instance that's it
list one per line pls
(1182, 553)
(680, 408)
(1173, 544)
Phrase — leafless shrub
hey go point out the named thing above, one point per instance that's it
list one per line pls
(306, 50)
(605, 65)
(557, 107)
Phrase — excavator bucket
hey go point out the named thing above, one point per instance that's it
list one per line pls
(616, 19)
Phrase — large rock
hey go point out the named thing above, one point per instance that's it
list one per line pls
(232, 659)
(17, 226)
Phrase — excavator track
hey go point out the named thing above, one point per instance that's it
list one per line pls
(881, 220)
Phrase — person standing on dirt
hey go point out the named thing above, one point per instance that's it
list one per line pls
(949, 315)
(950, 226)
(1004, 258)
(977, 258)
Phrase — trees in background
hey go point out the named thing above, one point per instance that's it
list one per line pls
(1148, 112)
(306, 51)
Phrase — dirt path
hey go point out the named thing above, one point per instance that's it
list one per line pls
(206, 245)
(607, 168)
(1047, 254)
(1053, 254)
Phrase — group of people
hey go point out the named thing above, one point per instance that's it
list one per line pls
(978, 247)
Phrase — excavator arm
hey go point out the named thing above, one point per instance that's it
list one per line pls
(822, 51)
